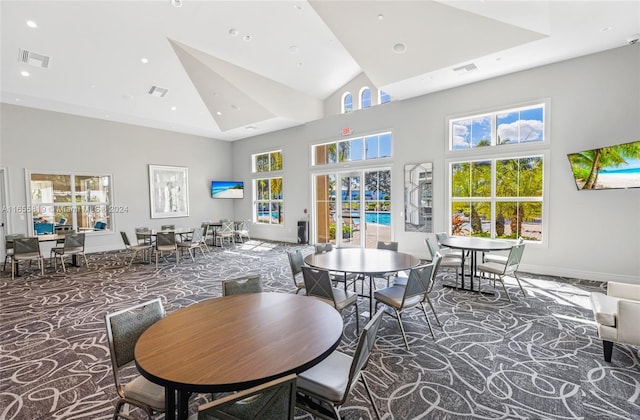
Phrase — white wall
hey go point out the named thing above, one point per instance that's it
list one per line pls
(595, 101)
(49, 141)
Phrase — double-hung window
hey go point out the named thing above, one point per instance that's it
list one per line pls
(497, 173)
(267, 187)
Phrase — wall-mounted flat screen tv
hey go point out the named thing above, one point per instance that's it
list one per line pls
(227, 189)
(608, 167)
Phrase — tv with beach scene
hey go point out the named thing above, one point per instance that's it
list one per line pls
(227, 189)
(610, 167)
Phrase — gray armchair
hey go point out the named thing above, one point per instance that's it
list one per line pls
(616, 314)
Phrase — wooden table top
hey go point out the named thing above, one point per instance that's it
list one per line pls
(476, 244)
(236, 342)
(362, 260)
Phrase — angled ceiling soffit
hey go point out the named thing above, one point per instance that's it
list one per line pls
(237, 97)
(435, 35)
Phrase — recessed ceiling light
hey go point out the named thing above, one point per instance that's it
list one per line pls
(233, 32)
(144, 60)
(173, 108)
(380, 16)
(606, 29)
(300, 64)
(248, 38)
(293, 49)
(298, 7)
(32, 24)
(176, 3)
(399, 48)
(219, 113)
(25, 73)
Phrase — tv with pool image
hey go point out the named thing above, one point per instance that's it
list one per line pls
(227, 189)
(610, 167)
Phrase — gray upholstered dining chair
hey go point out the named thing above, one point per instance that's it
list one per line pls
(498, 271)
(274, 400)
(8, 247)
(444, 250)
(445, 262)
(73, 245)
(26, 249)
(318, 284)
(329, 383)
(337, 277)
(499, 258)
(250, 283)
(296, 262)
(134, 249)
(242, 231)
(391, 246)
(124, 327)
(415, 293)
(195, 242)
(143, 238)
(166, 242)
(226, 232)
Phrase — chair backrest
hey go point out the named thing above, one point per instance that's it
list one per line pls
(168, 227)
(296, 261)
(275, 400)
(8, 239)
(198, 235)
(227, 227)
(166, 239)
(324, 247)
(392, 246)
(431, 247)
(513, 260)
(125, 239)
(317, 283)
(418, 281)
(364, 348)
(26, 246)
(246, 284)
(435, 262)
(125, 327)
(74, 241)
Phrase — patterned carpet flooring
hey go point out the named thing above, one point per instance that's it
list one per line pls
(535, 358)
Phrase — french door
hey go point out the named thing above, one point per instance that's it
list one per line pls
(352, 208)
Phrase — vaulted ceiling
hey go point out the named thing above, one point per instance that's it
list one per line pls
(234, 69)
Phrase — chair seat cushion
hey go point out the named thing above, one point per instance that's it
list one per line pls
(328, 379)
(491, 267)
(145, 391)
(495, 258)
(343, 298)
(392, 296)
(605, 308)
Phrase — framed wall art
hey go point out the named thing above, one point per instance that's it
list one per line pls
(169, 191)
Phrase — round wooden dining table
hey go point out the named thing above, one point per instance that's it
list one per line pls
(366, 261)
(235, 342)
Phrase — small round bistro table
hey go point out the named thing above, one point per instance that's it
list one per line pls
(235, 342)
(474, 245)
(366, 261)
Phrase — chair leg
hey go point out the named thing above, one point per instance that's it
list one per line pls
(86, 263)
(505, 289)
(404, 336)
(366, 388)
(426, 317)
(64, 269)
(607, 347)
(432, 309)
(519, 284)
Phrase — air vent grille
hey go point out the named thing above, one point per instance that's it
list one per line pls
(466, 68)
(158, 91)
(33, 59)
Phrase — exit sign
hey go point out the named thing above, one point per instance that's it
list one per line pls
(346, 131)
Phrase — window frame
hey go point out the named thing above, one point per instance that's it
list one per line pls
(343, 106)
(268, 174)
(110, 209)
(502, 152)
(493, 112)
(363, 90)
(352, 140)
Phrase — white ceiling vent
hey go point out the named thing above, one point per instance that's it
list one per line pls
(466, 68)
(33, 59)
(158, 91)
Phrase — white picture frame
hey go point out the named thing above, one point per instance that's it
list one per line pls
(168, 191)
